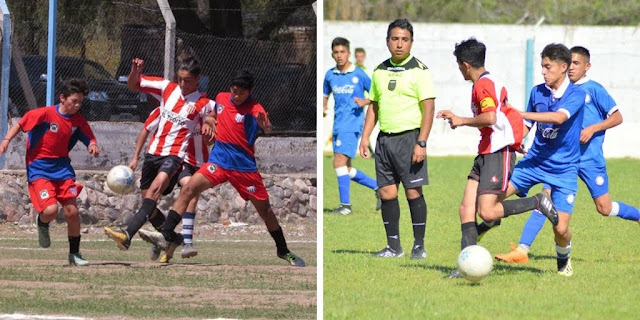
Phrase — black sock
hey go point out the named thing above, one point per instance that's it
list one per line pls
(517, 206)
(562, 262)
(483, 227)
(391, 219)
(42, 224)
(281, 243)
(173, 219)
(418, 208)
(469, 234)
(138, 220)
(74, 244)
(157, 219)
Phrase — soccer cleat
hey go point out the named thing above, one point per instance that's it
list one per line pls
(119, 236)
(165, 259)
(517, 255)
(546, 206)
(379, 201)
(43, 234)
(155, 252)
(154, 237)
(75, 259)
(486, 228)
(171, 248)
(418, 253)
(343, 209)
(455, 274)
(387, 252)
(188, 251)
(567, 270)
(293, 259)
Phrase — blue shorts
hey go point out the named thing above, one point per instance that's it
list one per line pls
(596, 179)
(563, 187)
(346, 143)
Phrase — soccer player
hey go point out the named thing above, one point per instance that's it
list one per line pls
(361, 55)
(601, 113)
(501, 133)
(347, 82)
(53, 132)
(197, 152)
(239, 120)
(402, 99)
(182, 108)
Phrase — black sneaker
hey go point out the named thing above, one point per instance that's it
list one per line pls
(343, 209)
(483, 228)
(387, 252)
(546, 206)
(43, 234)
(418, 253)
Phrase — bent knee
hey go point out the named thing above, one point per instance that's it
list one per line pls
(604, 210)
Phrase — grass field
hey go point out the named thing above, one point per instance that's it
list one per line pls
(605, 256)
(236, 275)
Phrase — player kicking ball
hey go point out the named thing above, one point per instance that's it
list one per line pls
(53, 132)
(239, 119)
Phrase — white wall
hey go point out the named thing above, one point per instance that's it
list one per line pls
(615, 58)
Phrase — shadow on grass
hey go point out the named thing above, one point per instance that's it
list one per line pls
(349, 251)
(497, 267)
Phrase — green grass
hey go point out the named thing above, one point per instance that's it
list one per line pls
(605, 255)
(227, 279)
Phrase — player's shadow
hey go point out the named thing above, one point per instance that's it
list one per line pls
(497, 267)
(111, 263)
(349, 251)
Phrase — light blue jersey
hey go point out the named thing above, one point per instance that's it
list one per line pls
(599, 105)
(556, 148)
(348, 116)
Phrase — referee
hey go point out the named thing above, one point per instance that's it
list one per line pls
(402, 99)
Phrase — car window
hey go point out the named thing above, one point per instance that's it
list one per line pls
(93, 72)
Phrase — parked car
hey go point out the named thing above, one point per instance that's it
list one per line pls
(108, 99)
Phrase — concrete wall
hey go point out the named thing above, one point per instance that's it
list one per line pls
(615, 56)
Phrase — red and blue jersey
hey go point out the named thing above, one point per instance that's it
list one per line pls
(51, 136)
(236, 133)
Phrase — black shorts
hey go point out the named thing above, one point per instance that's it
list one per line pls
(154, 164)
(187, 171)
(493, 171)
(393, 160)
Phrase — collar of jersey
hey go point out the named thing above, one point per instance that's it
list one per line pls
(249, 99)
(62, 115)
(583, 80)
(352, 68)
(563, 87)
(193, 95)
(401, 63)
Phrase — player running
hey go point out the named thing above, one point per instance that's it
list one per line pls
(53, 132)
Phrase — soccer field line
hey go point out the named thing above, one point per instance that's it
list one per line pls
(196, 241)
(20, 316)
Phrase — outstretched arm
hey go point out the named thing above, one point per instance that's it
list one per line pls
(133, 82)
(142, 137)
(12, 133)
(484, 119)
(557, 117)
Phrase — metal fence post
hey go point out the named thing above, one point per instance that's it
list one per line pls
(169, 39)
(6, 67)
(51, 52)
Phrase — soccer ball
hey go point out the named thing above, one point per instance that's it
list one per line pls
(475, 263)
(120, 179)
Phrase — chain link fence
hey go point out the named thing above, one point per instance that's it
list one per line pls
(101, 51)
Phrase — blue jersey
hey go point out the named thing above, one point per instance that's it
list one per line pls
(599, 105)
(348, 116)
(556, 148)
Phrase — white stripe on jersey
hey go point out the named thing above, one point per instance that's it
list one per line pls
(502, 134)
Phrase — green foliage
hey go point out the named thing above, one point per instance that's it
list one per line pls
(605, 257)
(564, 12)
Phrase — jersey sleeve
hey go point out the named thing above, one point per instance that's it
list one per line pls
(208, 108)
(86, 135)
(484, 97)
(153, 120)
(374, 94)
(366, 81)
(153, 85)
(424, 85)
(326, 87)
(257, 109)
(604, 101)
(574, 102)
(32, 119)
(530, 108)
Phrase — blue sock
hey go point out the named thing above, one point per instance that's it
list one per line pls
(188, 221)
(624, 211)
(344, 184)
(363, 179)
(532, 227)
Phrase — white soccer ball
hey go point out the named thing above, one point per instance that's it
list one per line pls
(120, 179)
(475, 263)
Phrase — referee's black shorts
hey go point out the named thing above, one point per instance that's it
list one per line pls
(393, 160)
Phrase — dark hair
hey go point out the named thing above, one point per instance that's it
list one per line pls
(360, 50)
(339, 41)
(242, 79)
(402, 24)
(557, 52)
(74, 85)
(190, 64)
(471, 51)
(581, 51)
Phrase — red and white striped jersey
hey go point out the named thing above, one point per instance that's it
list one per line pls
(172, 127)
(487, 96)
(197, 150)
